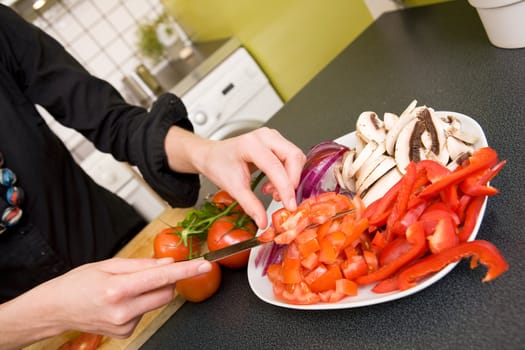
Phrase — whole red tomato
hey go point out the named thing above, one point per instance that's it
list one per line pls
(168, 243)
(201, 287)
(229, 230)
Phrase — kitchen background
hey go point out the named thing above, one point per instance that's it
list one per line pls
(291, 40)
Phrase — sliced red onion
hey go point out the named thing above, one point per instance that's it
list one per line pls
(274, 257)
(262, 254)
(317, 175)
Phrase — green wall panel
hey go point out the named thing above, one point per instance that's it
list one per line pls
(292, 40)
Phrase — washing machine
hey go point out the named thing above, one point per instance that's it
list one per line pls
(236, 97)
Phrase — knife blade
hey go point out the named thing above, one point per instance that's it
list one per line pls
(253, 242)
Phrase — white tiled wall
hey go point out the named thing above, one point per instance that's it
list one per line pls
(100, 34)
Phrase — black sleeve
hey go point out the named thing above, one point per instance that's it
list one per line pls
(52, 78)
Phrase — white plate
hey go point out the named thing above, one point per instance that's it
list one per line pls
(263, 288)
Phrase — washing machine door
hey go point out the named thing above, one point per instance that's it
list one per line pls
(234, 128)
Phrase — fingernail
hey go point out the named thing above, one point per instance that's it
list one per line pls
(204, 267)
(292, 204)
(164, 261)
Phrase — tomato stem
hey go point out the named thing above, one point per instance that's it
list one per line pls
(198, 222)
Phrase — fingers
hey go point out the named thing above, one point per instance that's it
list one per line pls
(282, 166)
(162, 275)
(291, 156)
(151, 300)
(251, 205)
(125, 265)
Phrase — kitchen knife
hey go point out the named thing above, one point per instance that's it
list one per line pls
(253, 242)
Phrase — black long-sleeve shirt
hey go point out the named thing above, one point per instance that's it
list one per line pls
(68, 219)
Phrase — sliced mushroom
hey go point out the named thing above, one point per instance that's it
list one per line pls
(410, 108)
(465, 137)
(361, 158)
(426, 140)
(359, 144)
(456, 147)
(381, 186)
(433, 129)
(370, 127)
(458, 160)
(385, 164)
(403, 147)
(440, 150)
(393, 134)
(348, 181)
(371, 162)
(454, 129)
(389, 120)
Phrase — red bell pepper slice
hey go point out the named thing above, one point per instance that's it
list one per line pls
(444, 236)
(482, 158)
(471, 217)
(464, 202)
(416, 237)
(401, 204)
(485, 252)
(450, 196)
(434, 170)
(393, 250)
(412, 215)
(435, 212)
(476, 185)
(387, 285)
(378, 211)
(407, 186)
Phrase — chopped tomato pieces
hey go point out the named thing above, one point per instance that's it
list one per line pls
(346, 287)
(327, 280)
(291, 271)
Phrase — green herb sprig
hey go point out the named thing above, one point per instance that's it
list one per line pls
(198, 221)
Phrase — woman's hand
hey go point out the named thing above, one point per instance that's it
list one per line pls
(229, 164)
(107, 297)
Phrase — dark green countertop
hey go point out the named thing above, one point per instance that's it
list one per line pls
(439, 55)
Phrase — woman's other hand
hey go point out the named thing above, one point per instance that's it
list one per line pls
(230, 163)
(107, 297)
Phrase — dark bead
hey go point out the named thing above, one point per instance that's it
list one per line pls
(11, 216)
(15, 196)
(7, 177)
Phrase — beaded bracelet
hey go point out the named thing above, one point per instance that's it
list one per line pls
(14, 196)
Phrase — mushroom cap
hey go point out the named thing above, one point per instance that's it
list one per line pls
(370, 128)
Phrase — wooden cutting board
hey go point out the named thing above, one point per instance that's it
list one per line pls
(140, 247)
